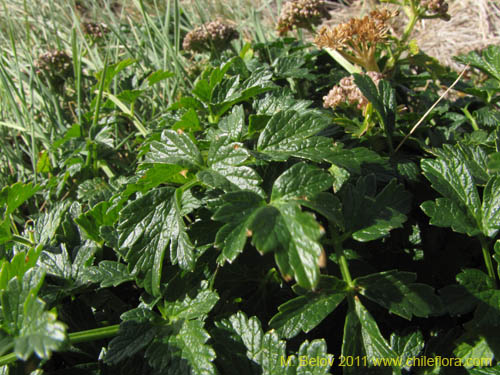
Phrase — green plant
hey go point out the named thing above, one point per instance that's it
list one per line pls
(228, 224)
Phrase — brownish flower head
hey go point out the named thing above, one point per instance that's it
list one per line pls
(56, 65)
(301, 14)
(347, 92)
(439, 7)
(357, 32)
(215, 34)
(95, 30)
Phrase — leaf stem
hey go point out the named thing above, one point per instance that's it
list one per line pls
(487, 259)
(342, 260)
(74, 338)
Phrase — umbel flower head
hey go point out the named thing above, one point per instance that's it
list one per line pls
(56, 65)
(439, 7)
(301, 14)
(211, 35)
(347, 92)
(95, 30)
(356, 40)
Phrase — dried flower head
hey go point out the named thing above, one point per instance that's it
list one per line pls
(347, 92)
(95, 30)
(302, 14)
(356, 39)
(56, 65)
(439, 7)
(212, 35)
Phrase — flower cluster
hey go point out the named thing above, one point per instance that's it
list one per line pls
(212, 35)
(95, 30)
(56, 65)
(347, 92)
(302, 14)
(439, 7)
(356, 39)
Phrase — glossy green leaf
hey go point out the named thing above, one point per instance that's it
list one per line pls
(40, 332)
(11, 197)
(375, 345)
(301, 180)
(489, 62)
(287, 131)
(237, 213)
(305, 312)
(132, 337)
(472, 348)
(444, 212)
(234, 124)
(191, 308)
(313, 359)
(371, 215)
(175, 148)
(108, 273)
(151, 226)
(188, 122)
(454, 181)
(292, 235)
(398, 292)
(407, 346)
(491, 207)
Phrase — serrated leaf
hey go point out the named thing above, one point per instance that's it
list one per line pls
(396, 291)
(286, 131)
(265, 349)
(454, 181)
(445, 213)
(234, 124)
(292, 235)
(375, 345)
(313, 358)
(131, 338)
(407, 346)
(489, 62)
(491, 207)
(191, 308)
(150, 226)
(41, 333)
(370, 215)
(108, 273)
(352, 340)
(191, 340)
(188, 122)
(305, 312)
(301, 180)
(238, 213)
(15, 195)
(473, 347)
(175, 148)
(485, 370)
(98, 216)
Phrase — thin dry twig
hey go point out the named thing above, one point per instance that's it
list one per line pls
(431, 108)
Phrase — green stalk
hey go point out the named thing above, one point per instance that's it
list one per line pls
(487, 259)
(74, 338)
(342, 260)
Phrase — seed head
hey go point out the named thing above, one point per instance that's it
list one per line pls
(357, 31)
(56, 65)
(347, 92)
(302, 14)
(95, 30)
(439, 7)
(211, 35)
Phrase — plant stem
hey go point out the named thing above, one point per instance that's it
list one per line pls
(487, 259)
(342, 260)
(74, 338)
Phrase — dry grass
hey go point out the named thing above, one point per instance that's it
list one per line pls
(474, 24)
